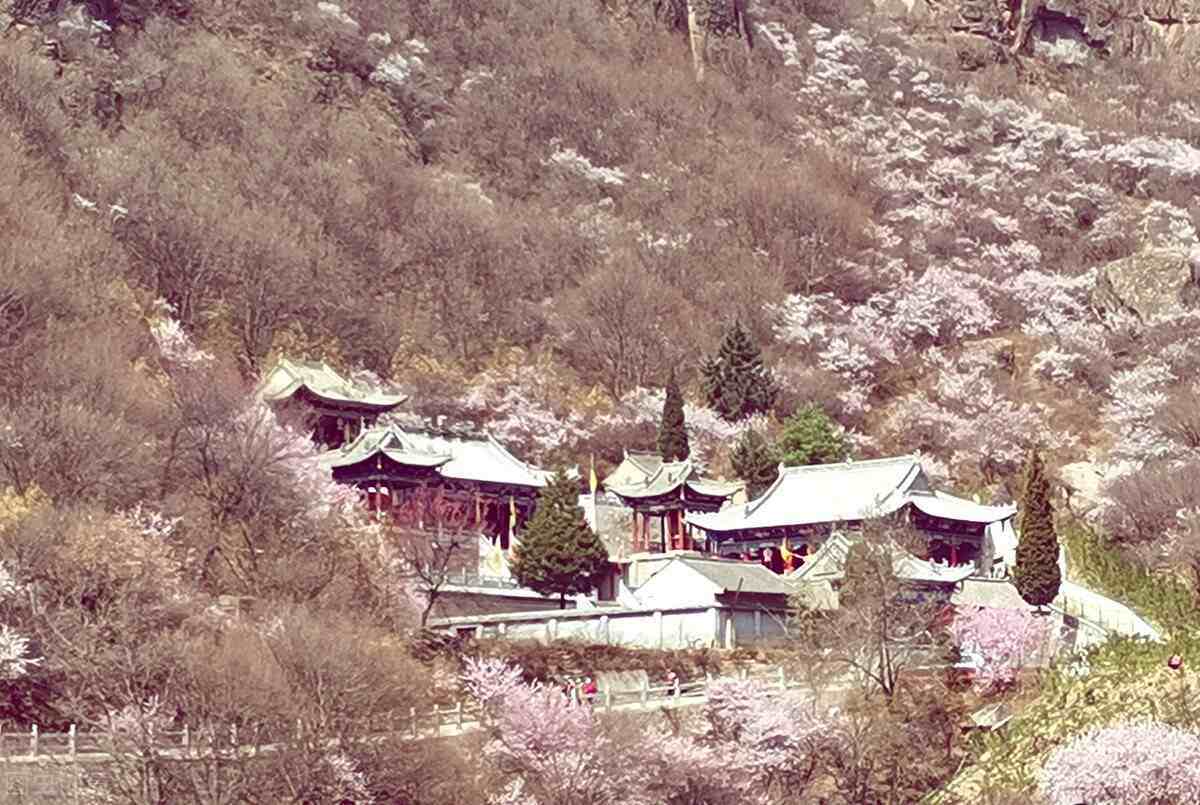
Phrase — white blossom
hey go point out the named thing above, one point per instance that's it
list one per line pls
(578, 164)
(15, 661)
(176, 345)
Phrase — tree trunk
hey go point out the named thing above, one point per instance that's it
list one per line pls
(697, 39)
(1029, 11)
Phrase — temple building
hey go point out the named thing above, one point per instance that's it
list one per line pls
(806, 505)
(337, 409)
(496, 490)
(664, 491)
(819, 580)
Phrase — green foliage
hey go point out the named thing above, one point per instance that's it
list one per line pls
(542, 661)
(672, 429)
(1128, 677)
(558, 553)
(811, 437)
(1164, 600)
(737, 384)
(1037, 575)
(755, 462)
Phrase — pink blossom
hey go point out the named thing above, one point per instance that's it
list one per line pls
(1001, 641)
(765, 734)
(489, 680)
(1138, 763)
(175, 345)
(349, 783)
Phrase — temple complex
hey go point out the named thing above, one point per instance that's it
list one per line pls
(665, 491)
(806, 505)
(336, 408)
(496, 489)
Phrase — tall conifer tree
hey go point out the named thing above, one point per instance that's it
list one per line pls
(558, 554)
(736, 381)
(672, 429)
(1037, 575)
(755, 462)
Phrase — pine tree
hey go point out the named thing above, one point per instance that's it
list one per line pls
(755, 462)
(737, 384)
(811, 437)
(1037, 575)
(558, 554)
(672, 430)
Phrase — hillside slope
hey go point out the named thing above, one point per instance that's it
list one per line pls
(528, 212)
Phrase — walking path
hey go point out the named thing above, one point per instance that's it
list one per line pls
(442, 722)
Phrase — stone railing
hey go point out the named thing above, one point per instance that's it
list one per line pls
(34, 745)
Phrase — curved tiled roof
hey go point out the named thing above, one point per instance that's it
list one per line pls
(471, 458)
(287, 377)
(847, 491)
(822, 493)
(645, 475)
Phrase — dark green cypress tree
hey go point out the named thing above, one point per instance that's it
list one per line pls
(755, 462)
(672, 429)
(1037, 575)
(558, 554)
(737, 383)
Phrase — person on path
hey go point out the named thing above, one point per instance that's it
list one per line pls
(589, 691)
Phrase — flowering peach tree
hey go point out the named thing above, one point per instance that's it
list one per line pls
(1137, 763)
(753, 742)
(1000, 640)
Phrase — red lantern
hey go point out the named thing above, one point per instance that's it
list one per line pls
(1175, 662)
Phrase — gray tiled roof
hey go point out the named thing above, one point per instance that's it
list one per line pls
(473, 458)
(287, 377)
(732, 575)
(828, 563)
(846, 492)
(644, 475)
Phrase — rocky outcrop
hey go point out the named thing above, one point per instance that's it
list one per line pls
(1069, 31)
(1150, 284)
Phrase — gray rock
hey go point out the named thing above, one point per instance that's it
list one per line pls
(1150, 284)
(1068, 31)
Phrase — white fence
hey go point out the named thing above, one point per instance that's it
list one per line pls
(1110, 615)
(663, 627)
(461, 717)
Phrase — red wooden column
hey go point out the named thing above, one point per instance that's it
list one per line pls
(954, 554)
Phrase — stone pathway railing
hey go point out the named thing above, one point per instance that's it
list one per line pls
(35, 746)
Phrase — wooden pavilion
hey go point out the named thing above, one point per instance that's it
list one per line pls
(337, 409)
(498, 490)
(666, 491)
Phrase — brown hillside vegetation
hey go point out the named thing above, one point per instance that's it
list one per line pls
(951, 237)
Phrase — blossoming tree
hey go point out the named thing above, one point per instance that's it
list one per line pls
(1139, 763)
(1001, 641)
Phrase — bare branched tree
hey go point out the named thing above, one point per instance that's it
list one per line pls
(882, 626)
(429, 534)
